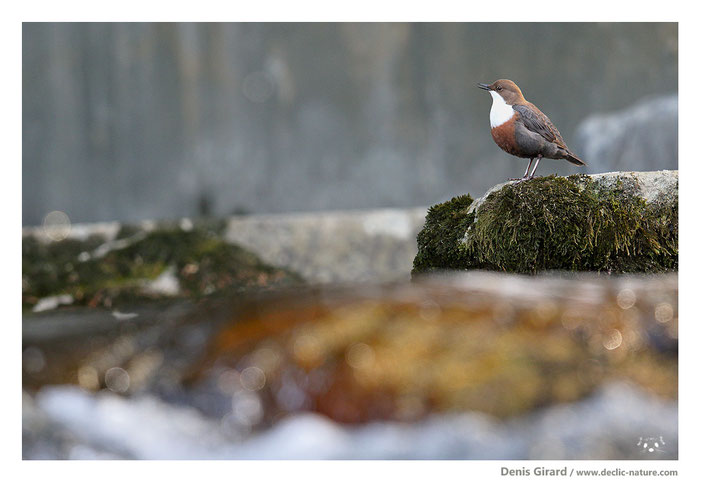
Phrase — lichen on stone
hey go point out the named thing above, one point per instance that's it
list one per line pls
(577, 223)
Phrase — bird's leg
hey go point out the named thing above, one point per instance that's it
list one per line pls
(537, 160)
(525, 175)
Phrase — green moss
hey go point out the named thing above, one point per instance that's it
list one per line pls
(552, 223)
(446, 223)
(203, 263)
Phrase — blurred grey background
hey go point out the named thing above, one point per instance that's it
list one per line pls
(141, 120)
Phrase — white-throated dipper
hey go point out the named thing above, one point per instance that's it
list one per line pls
(520, 129)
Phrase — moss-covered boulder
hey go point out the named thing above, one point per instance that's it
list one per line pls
(613, 222)
(140, 263)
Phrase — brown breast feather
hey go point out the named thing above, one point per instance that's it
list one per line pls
(505, 136)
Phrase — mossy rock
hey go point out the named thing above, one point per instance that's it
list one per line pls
(97, 271)
(613, 222)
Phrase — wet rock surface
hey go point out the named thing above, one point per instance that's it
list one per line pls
(491, 356)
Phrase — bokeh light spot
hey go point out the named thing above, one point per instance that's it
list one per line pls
(360, 356)
(664, 312)
(117, 379)
(626, 298)
(252, 378)
(613, 339)
(57, 225)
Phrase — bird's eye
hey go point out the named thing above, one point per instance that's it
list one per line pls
(499, 88)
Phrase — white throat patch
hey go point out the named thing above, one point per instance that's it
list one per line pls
(501, 111)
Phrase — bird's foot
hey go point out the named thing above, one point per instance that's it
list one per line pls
(525, 178)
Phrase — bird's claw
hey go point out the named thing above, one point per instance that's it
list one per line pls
(525, 178)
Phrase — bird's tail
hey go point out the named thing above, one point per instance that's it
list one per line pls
(569, 156)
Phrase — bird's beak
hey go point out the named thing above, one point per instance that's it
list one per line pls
(484, 86)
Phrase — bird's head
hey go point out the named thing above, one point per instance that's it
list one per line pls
(506, 89)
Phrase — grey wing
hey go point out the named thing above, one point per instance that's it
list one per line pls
(537, 122)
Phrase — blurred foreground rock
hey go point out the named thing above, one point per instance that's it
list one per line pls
(482, 344)
(495, 344)
(65, 422)
(619, 222)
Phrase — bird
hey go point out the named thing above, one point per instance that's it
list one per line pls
(521, 129)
